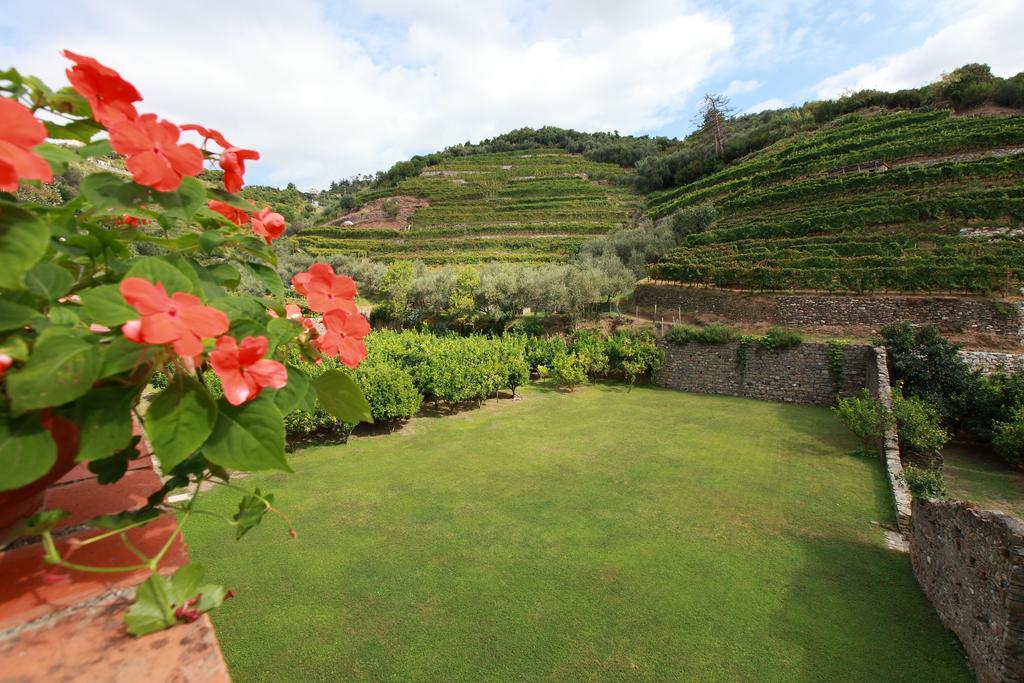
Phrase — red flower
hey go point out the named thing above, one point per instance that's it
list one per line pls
(19, 133)
(343, 336)
(109, 95)
(325, 291)
(243, 370)
(268, 224)
(236, 216)
(132, 221)
(208, 134)
(232, 159)
(5, 363)
(186, 612)
(180, 319)
(155, 158)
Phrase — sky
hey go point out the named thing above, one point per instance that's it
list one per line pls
(325, 90)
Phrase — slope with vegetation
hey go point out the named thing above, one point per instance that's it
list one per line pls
(514, 206)
(875, 200)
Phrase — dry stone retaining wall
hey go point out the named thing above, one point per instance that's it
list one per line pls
(948, 313)
(797, 375)
(970, 564)
(991, 361)
(879, 386)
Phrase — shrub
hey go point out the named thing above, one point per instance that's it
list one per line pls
(589, 347)
(866, 417)
(1008, 438)
(778, 338)
(930, 367)
(634, 353)
(544, 350)
(390, 391)
(918, 422)
(693, 219)
(299, 425)
(512, 353)
(710, 334)
(568, 370)
(389, 207)
(992, 398)
(925, 483)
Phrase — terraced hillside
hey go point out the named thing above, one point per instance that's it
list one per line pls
(873, 201)
(532, 206)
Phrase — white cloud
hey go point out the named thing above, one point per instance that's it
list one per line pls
(990, 35)
(322, 97)
(773, 103)
(741, 87)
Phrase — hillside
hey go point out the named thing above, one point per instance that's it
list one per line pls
(525, 206)
(921, 200)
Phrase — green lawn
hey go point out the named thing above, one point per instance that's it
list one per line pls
(972, 474)
(599, 535)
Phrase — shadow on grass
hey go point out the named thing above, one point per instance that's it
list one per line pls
(856, 613)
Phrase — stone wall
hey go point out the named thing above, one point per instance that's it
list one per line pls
(948, 313)
(877, 379)
(990, 361)
(970, 564)
(797, 375)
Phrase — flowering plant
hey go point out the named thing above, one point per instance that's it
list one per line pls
(137, 275)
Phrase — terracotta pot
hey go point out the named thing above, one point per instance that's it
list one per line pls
(17, 505)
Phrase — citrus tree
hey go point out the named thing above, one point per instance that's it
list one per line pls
(133, 276)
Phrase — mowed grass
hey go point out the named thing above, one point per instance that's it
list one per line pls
(978, 476)
(600, 535)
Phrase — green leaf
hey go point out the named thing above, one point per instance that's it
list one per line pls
(122, 355)
(27, 451)
(123, 519)
(233, 200)
(15, 347)
(153, 608)
(44, 520)
(57, 156)
(210, 240)
(248, 437)
(14, 316)
(186, 267)
(246, 327)
(110, 469)
(100, 148)
(106, 306)
(156, 269)
(66, 316)
(268, 276)
(179, 420)
(281, 331)
(250, 513)
(297, 394)
(183, 202)
(23, 241)
(341, 397)
(112, 192)
(158, 598)
(82, 130)
(239, 307)
(62, 367)
(104, 418)
(225, 275)
(49, 281)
